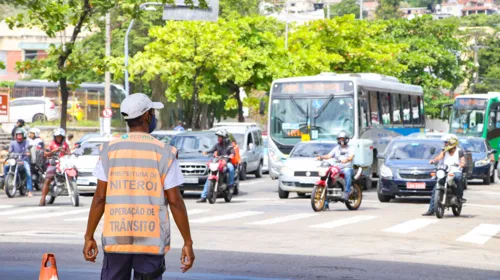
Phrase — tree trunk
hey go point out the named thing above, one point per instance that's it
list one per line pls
(204, 117)
(64, 104)
(158, 94)
(241, 118)
(194, 100)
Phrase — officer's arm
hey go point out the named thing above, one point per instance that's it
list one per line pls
(179, 213)
(97, 209)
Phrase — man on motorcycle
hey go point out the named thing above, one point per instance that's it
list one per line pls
(345, 154)
(451, 155)
(222, 148)
(21, 146)
(34, 137)
(57, 146)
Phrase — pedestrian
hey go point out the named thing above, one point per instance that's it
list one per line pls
(138, 178)
(20, 123)
(179, 126)
(69, 141)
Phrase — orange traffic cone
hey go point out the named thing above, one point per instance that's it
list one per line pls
(46, 272)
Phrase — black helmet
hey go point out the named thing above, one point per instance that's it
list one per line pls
(222, 133)
(344, 135)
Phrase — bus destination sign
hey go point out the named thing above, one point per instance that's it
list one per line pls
(479, 103)
(312, 87)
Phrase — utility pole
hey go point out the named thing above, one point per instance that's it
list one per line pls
(107, 79)
(286, 28)
(361, 9)
(328, 11)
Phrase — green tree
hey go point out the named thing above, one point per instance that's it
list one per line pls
(2, 65)
(489, 61)
(345, 7)
(55, 16)
(227, 8)
(432, 56)
(388, 9)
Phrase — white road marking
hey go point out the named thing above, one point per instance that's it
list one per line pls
(480, 234)
(283, 219)
(6, 206)
(197, 211)
(50, 215)
(343, 222)
(410, 226)
(78, 219)
(484, 192)
(53, 234)
(250, 183)
(190, 212)
(27, 210)
(482, 205)
(225, 217)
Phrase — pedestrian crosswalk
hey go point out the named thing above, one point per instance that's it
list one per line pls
(474, 232)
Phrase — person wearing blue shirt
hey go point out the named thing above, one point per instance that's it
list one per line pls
(21, 146)
(179, 127)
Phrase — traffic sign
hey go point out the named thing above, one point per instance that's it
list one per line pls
(107, 113)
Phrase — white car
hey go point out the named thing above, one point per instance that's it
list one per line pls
(165, 135)
(300, 170)
(87, 158)
(32, 109)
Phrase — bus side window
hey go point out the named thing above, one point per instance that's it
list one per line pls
(415, 110)
(405, 102)
(363, 115)
(396, 108)
(374, 110)
(385, 102)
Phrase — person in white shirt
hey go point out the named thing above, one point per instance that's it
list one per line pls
(345, 154)
(451, 156)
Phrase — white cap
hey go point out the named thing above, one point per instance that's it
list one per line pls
(135, 105)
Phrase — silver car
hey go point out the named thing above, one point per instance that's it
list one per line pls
(300, 170)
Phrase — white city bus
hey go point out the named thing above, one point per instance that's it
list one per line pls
(367, 106)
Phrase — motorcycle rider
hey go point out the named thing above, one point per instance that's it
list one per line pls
(451, 155)
(223, 147)
(345, 154)
(60, 146)
(21, 146)
(34, 137)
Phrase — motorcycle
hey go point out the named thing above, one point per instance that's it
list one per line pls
(444, 196)
(331, 187)
(15, 179)
(64, 182)
(219, 178)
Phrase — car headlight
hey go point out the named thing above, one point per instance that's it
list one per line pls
(440, 174)
(385, 171)
(481, 163)
(286, 171)
(11, 162)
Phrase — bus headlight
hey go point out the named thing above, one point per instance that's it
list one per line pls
(273, 155)
(385, 171)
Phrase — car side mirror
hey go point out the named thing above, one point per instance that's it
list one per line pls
(493, 151)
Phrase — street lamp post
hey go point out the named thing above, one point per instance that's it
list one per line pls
(286, 28)
(142, 7)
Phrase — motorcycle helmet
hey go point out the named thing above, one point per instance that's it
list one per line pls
(35, 131)
(222, 133)
(59, 132)
(22, 132)
(344, 135)
(452, 141)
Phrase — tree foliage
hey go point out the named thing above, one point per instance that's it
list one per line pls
(388, 9)
(489, 65)
(345, 7)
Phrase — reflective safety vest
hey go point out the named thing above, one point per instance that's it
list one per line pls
(136, 211)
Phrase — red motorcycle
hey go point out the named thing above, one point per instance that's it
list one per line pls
(331, 187)
(64, 183)
(219, 179)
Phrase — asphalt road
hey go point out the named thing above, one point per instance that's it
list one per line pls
(259, 236)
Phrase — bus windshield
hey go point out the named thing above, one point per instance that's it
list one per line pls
(326, 116)
(468, 116)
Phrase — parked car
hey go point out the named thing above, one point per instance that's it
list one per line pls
(251, 144)
(165, 135)
(87, 157)
(405, 169)
(265, 167)
(300, 170)
(482, 156)
(34, 109)
(193, 164)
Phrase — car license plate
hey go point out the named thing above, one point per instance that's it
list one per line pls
(308, 180)
(191, 180)
(415, 186)
(82, 182)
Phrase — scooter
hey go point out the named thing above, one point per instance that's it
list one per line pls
(219, 178)
(331, 187)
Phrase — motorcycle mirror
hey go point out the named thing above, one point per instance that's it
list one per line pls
(493, 151)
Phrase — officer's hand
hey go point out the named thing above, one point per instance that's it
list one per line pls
(187, 258)
(344, 161)
(90, 250)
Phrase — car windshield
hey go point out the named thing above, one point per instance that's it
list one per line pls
(88, 136)
(311, 149)
(418, 150)
(473, 145)
(194, 143)
(88, 149)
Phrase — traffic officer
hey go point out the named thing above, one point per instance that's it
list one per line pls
(138, 178)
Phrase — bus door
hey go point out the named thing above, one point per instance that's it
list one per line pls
(493, 133)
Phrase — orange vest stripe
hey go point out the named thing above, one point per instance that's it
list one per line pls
(152, 250)
(135, 154)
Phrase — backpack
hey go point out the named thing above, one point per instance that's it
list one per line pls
(236, 159)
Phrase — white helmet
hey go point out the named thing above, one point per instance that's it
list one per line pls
(35, 131)
(59, 132)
